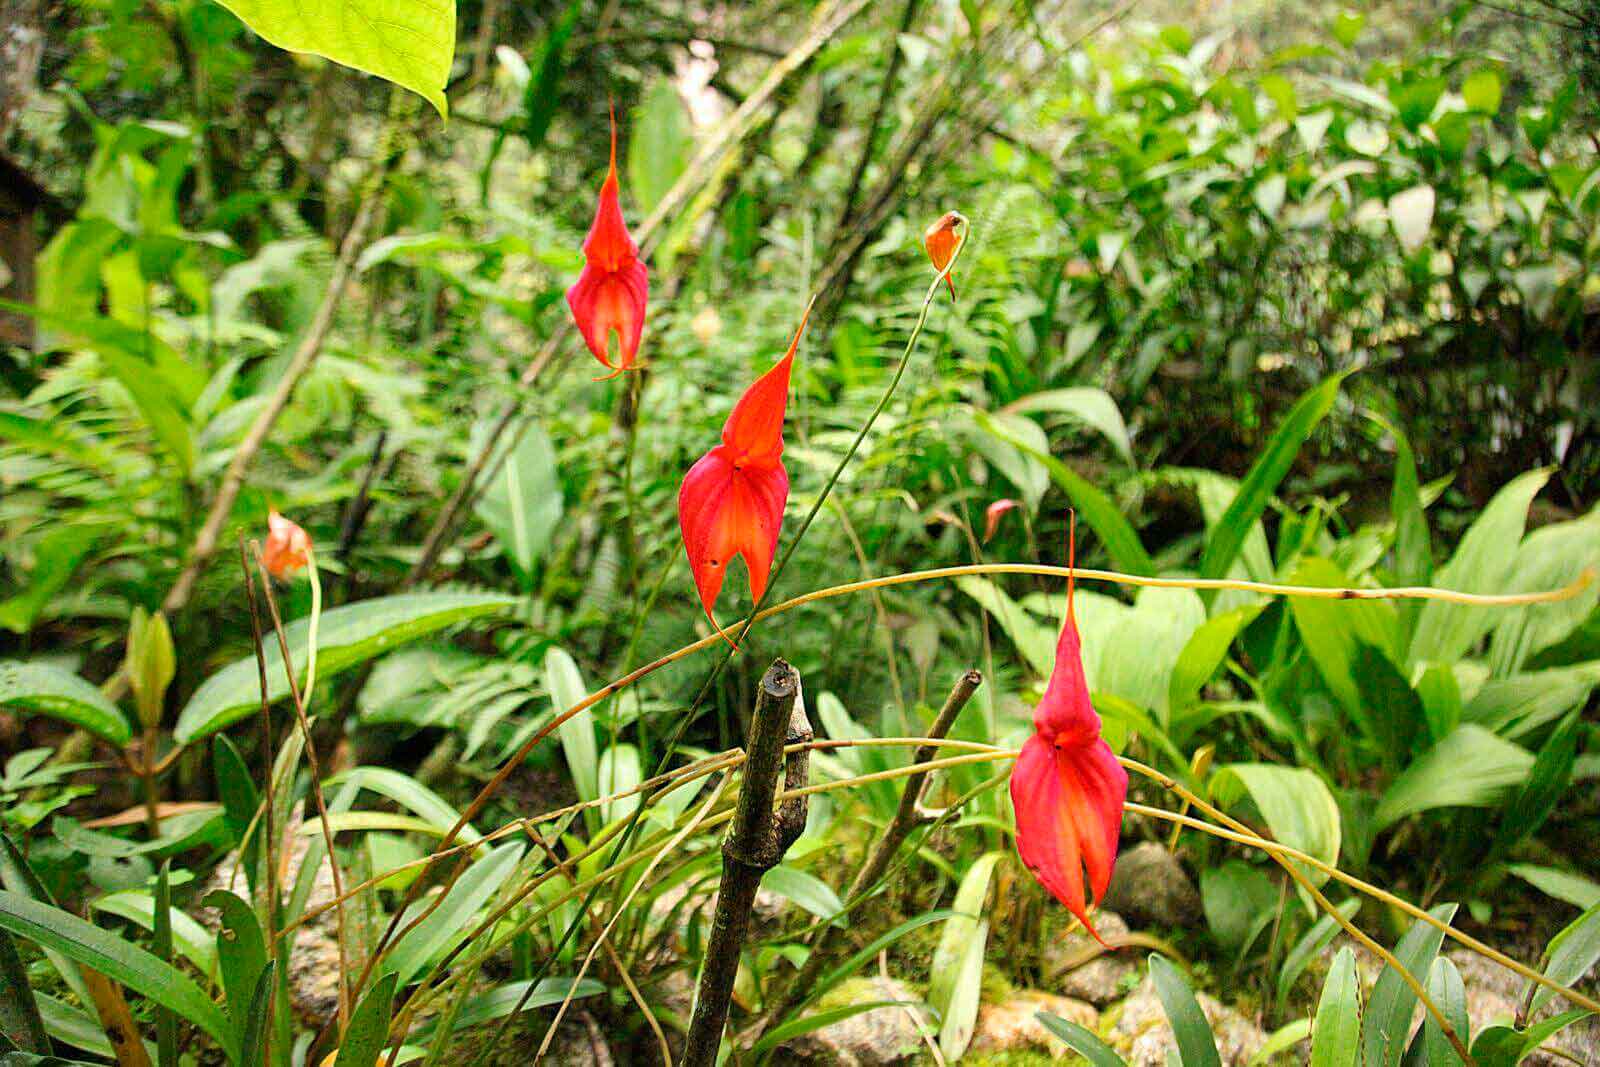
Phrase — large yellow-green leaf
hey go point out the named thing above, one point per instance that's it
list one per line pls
(44, 690)
(408, 42)
(349, 635)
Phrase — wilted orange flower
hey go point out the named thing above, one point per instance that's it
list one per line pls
(287, 548)
(993, 514)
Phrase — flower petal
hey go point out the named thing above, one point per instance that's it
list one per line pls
(754, 430)
(726, 511)
(602, 302)
(1069, 804)
(1065, 715)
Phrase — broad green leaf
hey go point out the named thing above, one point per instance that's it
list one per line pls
(523, 504)
(1013, 445)
(1035, 642)
(1506, 1046)
(241, 955)
(1280, 1042)
(1395, 709)
(1450, 995)
(1333, 632)
(1240, 902)
(566, 688)
(1387, 1022)
(1571, 953)
(1481, 90)
(453, 919)
(659, 144)
(1224, 541)
(1551, 557)
(1082, 1041)
(804, 890)
(1575, 889)
(1089, 405)
(193, 941)
(1296, 804)
(39, 689)
(349, 635)
(156, 403)
(405, 791)
(1472, 768)
(1196, 1046)
(56, 556)
(541, 96)
(1540, 792)
(619, 771)
(368, 1031)
(408, 42)
(1520, 704)
(17, 876)
(1098, 509)
(1481, 564)
(115, 958)
(957, 967)
(1135, 655)
(1336, 1032)
(1204, 652)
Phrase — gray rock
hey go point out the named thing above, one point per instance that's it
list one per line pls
(1144, 1037)
(1014, 1025)
(882, 1036)
(1148, 886)
(1104, 977)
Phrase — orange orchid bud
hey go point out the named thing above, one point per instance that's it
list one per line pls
(993, 514)
(941, 240)
(287, 548)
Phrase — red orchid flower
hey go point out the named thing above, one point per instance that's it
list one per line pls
(287, 546)
(1067, 787)
(941, 240)
(610, 295)
(731, 501)
(993, 514)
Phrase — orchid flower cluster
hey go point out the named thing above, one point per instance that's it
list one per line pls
(1067, 787)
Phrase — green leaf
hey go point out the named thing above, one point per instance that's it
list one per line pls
(1269, 469)
(55, 557)
(499, 1001)
(1336, 1033)
(1505, 1046)
(408, 42)
(1196, 1046)
(258, 1017)
(1571, 953)
(540, 98)
(1575, 889)
(1310, 946)
(870, 951)
(453, 919)
(957, 968)
(408, 793)
(17, 876)
(1520, 704)
(162, 919)
(523, 504)
(1472, 768)
(1450, 995)
(659, 144)
(40, 689)
(1204, 652)
(566, 688)
(368, 1031)
(805, 891)
(1333, 632)
(1481, 564)
(817, 1020)
(1098, 510)
(1089, 405)
(1240, 902)
(192, 941)
(349, 635)
(1537, 798)
(241, 955)
(619, 771)
(1481, 91)
(1298, 808)
(1388, 1018)
(1036, 643)
(20, 1024)
(1082, 1041)
(116, 959)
